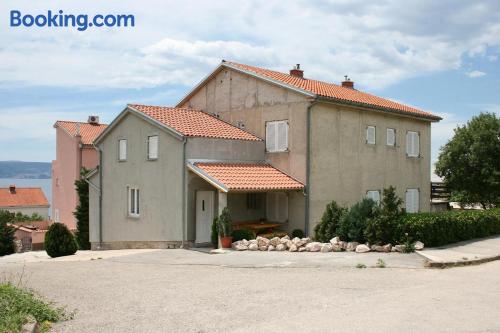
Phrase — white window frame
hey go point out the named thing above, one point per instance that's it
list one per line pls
(273, 136)
(152, 154)
(122, 150)
(412, 200)
(133, 201)
(368, 141)
(374, 195)
(412, 144)
(393, 130)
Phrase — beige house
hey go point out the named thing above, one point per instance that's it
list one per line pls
(270, 146)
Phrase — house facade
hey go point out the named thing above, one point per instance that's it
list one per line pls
(301, 143)
(24, 200)
(74, 151)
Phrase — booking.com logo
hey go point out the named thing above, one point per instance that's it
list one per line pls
(81, 21)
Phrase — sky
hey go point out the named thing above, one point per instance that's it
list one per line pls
(440, 56)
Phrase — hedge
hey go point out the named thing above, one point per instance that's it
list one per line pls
(437, 229)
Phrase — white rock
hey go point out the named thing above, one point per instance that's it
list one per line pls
(387, 247)
(398, 248)
(245, 242)
(362, 248)
(336, 248)
(253, 241)
(343, 245)
(240, 247)
(302, 249)
(271, 248)
(289, 243)
(335, 240)
(235, 244)
(262, 241)
(253, 247)
(263, 248)
(419, 245)
(285, 238)
(280, 247)
(314, 246)
(351, 246)
(327, 247)
(275, 241)
(296, 240)
(292, 248)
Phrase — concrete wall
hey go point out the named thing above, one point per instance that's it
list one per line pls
(90, 158)
(344, 167)
(220, 149)
(237, 204)
(240, 97)
(159, 182)
(42, 211)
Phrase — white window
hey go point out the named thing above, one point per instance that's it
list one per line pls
(374, 195)
(391, 137)
(412, 200)
(133, 201)
(412, 144)
(56, 215)
(122, 149)
(277, 136)
(370, 135)
(277, 206)
(153, 147)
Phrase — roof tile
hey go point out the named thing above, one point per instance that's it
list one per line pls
(23, 196)
(88, 132)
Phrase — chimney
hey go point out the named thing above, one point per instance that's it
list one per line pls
(94, 120)
(297, 72)
(12, 189)
(347, 83)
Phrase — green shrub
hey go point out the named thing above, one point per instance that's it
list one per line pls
(384, 227)
(242, 234)
(297, 233)
(214, 236)
(437, 229)
(6, 233)
(18, 305)
(327, 228)
(82, 213)
(224, 223)
(353, 223)
(59, 241)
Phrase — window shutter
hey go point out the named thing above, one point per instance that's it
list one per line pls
(412, 202)
(374, 195)
(391, 137)
(408, 200)
(370, 135)
(122, 150)
(153, 147)
(282, 133)
(271, 136)
(416, 144)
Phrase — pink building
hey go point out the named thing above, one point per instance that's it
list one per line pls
(74, 151)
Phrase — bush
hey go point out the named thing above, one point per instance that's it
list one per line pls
(59, 241)
(224, 223)
(384, 228)
(297, 233)
(437, 229)
(215, 234)
(242, 234)
(353, 223)
(327, 228)
(18, 305)
(82, 213)
(6, 233)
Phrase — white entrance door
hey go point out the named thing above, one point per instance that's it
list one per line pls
(204, 215)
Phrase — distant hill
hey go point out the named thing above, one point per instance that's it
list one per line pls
(25, 170)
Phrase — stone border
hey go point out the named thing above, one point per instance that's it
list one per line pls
(450, 264)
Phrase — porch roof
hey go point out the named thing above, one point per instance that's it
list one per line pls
(244, 177)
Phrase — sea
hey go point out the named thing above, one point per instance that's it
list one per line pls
(45, 184)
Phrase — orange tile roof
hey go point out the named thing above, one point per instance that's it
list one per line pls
(192, 122)
(248, 176)
(88, 132)
(23, 196)
(334, 91)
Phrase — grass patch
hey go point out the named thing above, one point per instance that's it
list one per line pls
(360, 265)
(19, 306)
(380, 263)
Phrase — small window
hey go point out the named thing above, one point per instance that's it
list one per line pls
(391, 137)
(370, 135)
(152, 147)
(251, 200)
(412, 144)
(412, 201)
(133, 202)
(277, 136)
(122, 149)
(374, 195)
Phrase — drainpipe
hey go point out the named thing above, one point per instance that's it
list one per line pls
(99, 151)
(184, 194)
(307, 189)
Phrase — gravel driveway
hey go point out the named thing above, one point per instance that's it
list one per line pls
(188, 291)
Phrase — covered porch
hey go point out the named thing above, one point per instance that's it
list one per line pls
(260, 198)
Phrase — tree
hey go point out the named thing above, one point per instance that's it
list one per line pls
(59, 241)
(353, 223)
(6, 233)
(328, 227)
(82, 212)
(470, 162)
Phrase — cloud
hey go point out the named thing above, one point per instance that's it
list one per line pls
(475, 74)
(377, 43)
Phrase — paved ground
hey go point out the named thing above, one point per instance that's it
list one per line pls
(188, 291)
(465, 252)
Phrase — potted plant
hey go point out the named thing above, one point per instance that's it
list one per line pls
(224, 228)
